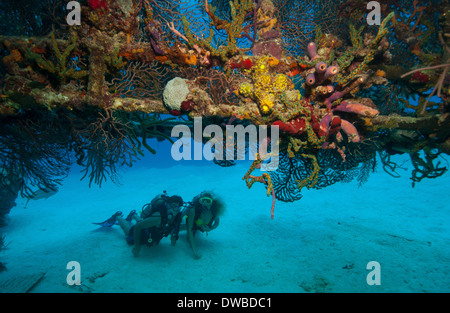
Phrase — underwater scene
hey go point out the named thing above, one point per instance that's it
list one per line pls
(224, 146)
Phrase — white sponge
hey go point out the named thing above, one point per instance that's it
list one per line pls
(175, 93)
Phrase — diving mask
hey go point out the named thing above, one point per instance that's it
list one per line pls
(206, 201)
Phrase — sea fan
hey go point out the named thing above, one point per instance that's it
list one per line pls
(359, 162)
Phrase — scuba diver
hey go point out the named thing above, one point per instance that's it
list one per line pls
(202, 214)
(159, 218)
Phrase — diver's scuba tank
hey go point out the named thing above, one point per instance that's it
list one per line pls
(148, 209)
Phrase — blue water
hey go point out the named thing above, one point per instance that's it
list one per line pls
(322, 243)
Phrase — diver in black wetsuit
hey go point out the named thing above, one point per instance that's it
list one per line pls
(159, 218)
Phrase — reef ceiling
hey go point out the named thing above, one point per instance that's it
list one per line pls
(341, 91)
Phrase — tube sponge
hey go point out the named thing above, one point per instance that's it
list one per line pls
(331, 71)
(321, 67)
(312, 50)
(310, 79)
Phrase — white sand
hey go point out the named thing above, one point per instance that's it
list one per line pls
(321, 243)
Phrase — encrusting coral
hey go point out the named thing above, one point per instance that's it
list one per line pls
(244, 67)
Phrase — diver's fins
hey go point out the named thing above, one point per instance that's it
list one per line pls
(110, 221)
(130, 216)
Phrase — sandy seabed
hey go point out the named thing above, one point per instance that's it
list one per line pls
(321, 243)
